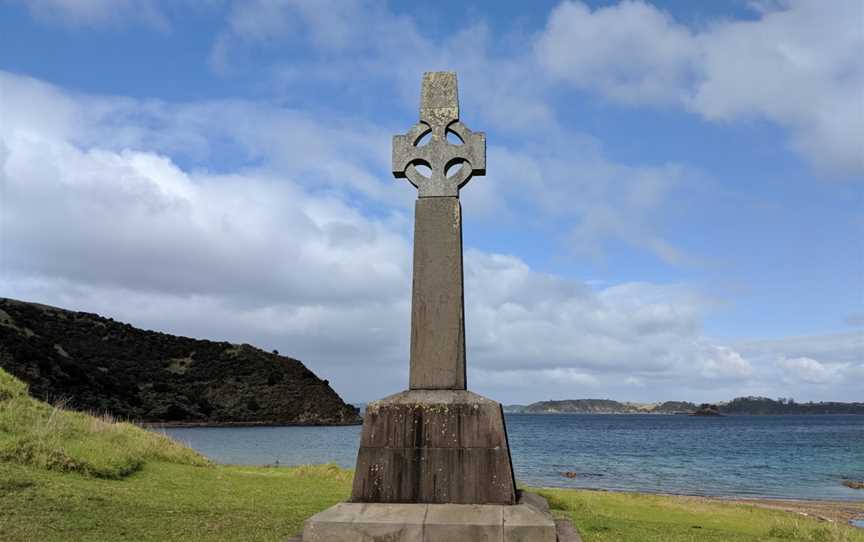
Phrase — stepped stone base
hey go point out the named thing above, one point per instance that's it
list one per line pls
(371, 522)
(434, 447)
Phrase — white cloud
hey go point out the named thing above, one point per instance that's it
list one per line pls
(97, 214)
(798, 66)
(569, 178)
(555, 168)
(720, 361)
(808, 371)
(634, 381)
(135, 219)
(574, 379)
(631, 51)
(335, 151)
(93, 13)
(835, 348)
(795, 65)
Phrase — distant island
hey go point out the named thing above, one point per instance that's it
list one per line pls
(96, 364)
(738, 406)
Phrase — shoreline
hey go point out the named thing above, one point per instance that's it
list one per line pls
(175, 425)
(688, 414)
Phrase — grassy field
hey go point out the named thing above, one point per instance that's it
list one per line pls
(42, 435)
(608, 517)
(67, 476)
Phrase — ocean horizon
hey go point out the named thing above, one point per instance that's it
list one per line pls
(775, 457)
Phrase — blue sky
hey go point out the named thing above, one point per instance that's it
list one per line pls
(673, 206)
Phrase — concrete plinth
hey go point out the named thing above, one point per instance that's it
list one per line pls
(370, 522)
(434, 446)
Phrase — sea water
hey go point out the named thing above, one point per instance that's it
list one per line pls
(797, 457)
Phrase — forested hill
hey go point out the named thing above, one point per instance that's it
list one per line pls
(99, 364)
(741, 405)
(764, 405)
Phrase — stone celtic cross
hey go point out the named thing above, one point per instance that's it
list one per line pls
(437, 303)
(436, 442)
(439, 114)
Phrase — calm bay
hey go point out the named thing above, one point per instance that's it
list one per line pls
(792, 457)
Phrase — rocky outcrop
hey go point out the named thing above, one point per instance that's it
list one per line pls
(99, 364)
(706, 409)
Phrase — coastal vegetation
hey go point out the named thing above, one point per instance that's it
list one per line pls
(707, 409)
(764, 405)
(737, 406)
(102, 365)
(70, 476)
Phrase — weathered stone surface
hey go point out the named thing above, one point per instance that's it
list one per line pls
(434, 446)
(357, 522)
(437, 304)
(439, 114)
(435, 419)
(566, 531)
(433, 475)
(436, 443)
(439, 98)
(366, 523)
(474, 523)
(523, 523)
(532, 499)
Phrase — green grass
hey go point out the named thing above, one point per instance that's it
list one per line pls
(67, 476)
(165, 502)
(35, 433)
(611, 516)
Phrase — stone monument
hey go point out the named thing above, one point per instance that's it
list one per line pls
(434, 462)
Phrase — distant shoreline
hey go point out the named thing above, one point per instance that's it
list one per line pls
(689, 414)
(172, 425)
(739, 406)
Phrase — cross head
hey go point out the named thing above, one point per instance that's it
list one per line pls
(426, 143)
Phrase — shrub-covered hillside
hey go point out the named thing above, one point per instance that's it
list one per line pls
(101, 365)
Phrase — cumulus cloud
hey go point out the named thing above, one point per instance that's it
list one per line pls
(630, 51)
(97, 215)
(835, 347)
(559, 170)
(808, 371)
(795, 65)
(720, 361)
